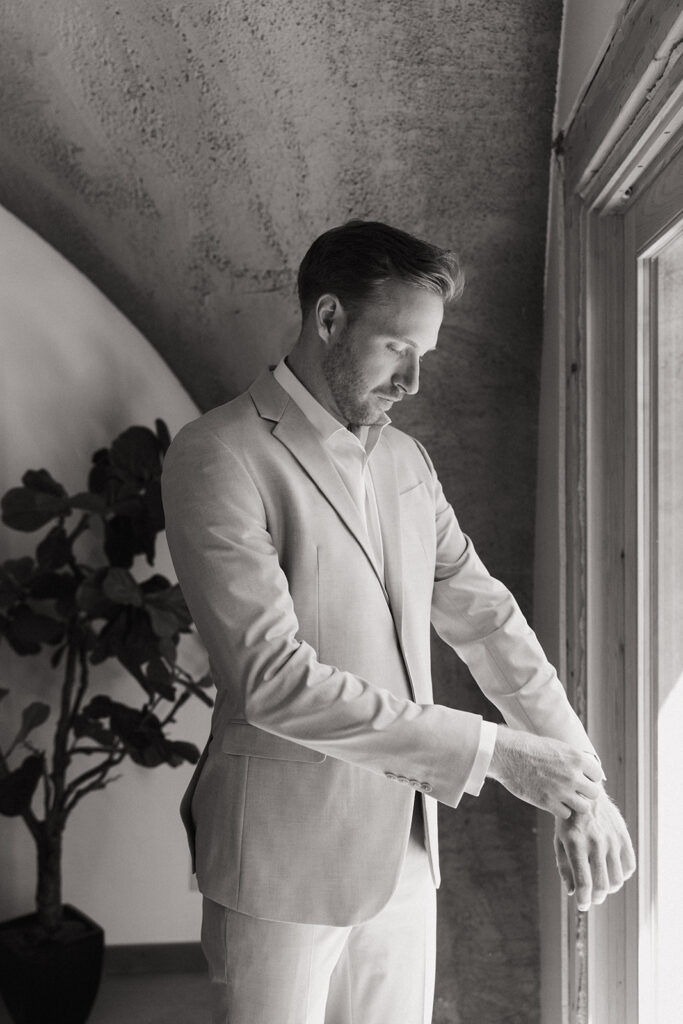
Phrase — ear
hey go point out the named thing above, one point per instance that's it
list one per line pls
(329, 317)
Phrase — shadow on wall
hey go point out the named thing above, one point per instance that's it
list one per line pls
(75, 374)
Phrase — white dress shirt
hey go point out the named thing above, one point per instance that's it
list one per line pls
(350, 450)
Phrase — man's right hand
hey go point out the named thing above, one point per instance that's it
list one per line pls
(546, 773)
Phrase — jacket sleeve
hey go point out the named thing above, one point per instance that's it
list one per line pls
(238, 596)
(481, 620)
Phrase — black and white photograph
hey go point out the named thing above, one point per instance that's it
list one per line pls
(341, 511)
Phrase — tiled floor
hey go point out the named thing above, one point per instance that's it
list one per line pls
(148, 999)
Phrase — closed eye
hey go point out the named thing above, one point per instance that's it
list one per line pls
(401, 349)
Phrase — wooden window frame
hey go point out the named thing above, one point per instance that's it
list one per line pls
(628, 126)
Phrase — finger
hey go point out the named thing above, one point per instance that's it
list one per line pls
(564, 867)
(592, 768)
(561, 810)
(614, 871)
(591, 790)
(578, 803)
(582, 875)
(600, 874)
(628, 859)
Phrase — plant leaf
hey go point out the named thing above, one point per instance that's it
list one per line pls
(55, 549)
(33, 716)
(17, 788)
(99, 707)
(26, 630)
(120, 587)
(164, 623)
(168, 649)
(180, 750)
(93, 729)
(55, 586)
(154, 507)
(137, 453)
(15, 573)
(163, 435)
(157, 672)
(154, 584)
(41, 480)
(120, 541)
(170, 600)
(90, 598)
(26, 509)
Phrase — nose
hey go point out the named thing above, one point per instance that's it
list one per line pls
(408, 377)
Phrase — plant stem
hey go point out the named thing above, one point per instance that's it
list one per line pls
(60, 760)
(49, 890)
(83, 683)
(182, 699)
(95, 779)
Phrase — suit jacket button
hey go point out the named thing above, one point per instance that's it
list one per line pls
(390, 776)
(425, 787)
(402, 778)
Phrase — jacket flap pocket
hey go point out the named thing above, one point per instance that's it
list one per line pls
(416, 492)
(242, 738)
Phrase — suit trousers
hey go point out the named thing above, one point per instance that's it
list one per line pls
(380, 971)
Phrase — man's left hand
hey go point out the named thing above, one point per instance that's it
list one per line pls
(594, 851)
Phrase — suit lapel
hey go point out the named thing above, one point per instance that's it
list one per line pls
(295, 432)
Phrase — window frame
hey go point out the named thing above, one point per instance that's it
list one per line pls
(627, 129)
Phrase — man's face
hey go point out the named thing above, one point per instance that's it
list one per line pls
(375, 361)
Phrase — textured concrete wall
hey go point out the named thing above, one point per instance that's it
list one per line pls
(184, 155)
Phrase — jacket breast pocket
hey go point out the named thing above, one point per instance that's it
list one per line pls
(249, 741)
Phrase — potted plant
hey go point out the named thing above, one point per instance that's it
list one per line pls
(50, 961)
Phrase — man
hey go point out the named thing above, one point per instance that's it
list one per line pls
(314, 546)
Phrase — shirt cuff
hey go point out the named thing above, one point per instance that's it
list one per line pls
(482, 760)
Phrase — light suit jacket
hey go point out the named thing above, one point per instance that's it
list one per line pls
(324, 730)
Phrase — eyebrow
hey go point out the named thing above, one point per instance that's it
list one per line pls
(409, 341)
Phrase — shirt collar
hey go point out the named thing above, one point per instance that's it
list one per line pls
(324, 422)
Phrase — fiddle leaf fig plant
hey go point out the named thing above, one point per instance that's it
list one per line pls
(86, 614)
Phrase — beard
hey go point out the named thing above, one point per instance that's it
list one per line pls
(344, 378)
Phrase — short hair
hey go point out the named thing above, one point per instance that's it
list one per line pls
(350, 261)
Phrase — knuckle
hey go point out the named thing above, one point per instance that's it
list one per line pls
(600, 848)
(574, 842)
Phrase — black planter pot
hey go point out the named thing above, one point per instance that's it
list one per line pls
(50, 981)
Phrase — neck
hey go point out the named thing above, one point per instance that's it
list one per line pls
(305, 364)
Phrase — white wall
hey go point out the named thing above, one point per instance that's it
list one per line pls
(75, 373)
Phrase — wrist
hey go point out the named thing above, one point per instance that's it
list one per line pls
(499, 756)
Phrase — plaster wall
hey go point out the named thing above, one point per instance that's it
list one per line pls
(75, 374)
(184, 155)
